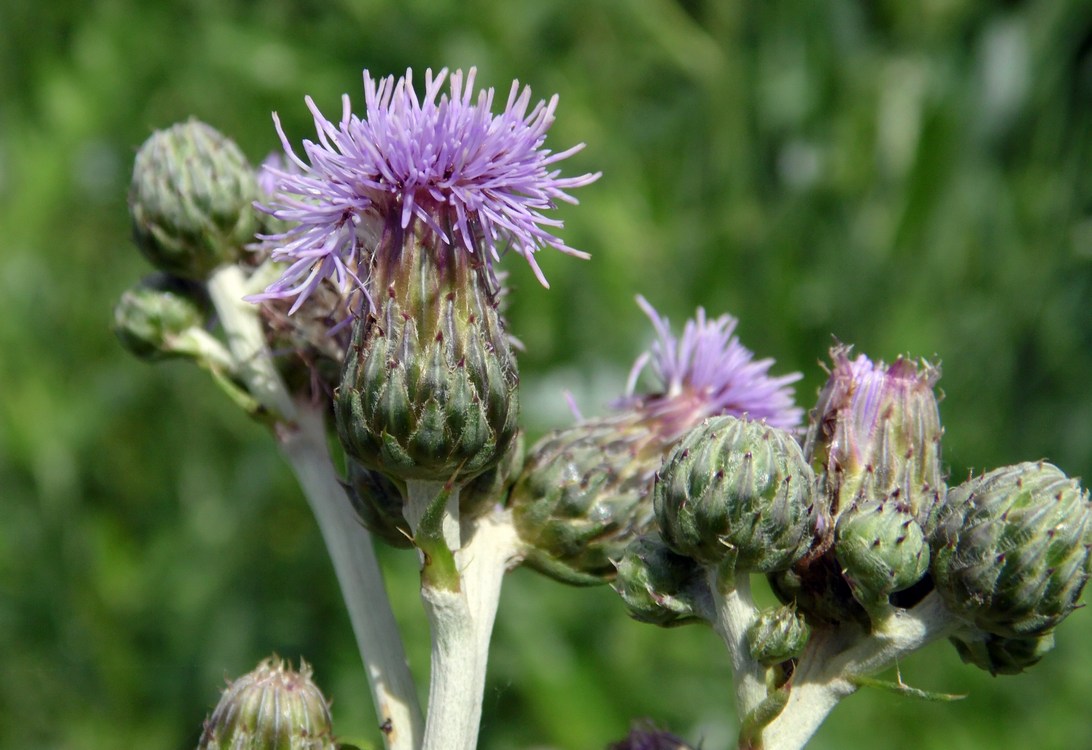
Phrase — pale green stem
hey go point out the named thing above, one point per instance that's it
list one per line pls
(358, 573)
(301, 435)
(735, 611)
(461, 617)
(826, 671)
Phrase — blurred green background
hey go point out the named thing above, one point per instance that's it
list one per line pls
(905, 175)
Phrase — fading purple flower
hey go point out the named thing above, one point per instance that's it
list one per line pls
(876, 432)
(707, 372)
(474, 179)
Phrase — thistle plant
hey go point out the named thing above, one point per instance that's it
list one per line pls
(348, 293)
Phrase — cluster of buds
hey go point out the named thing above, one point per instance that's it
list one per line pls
(858, 523)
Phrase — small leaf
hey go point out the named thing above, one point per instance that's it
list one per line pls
(901, 688)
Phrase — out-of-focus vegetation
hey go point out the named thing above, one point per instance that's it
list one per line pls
(903, 175)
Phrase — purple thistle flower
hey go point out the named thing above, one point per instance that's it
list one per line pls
(476, 180)
(707, 372)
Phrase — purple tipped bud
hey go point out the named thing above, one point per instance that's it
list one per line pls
(875, 435)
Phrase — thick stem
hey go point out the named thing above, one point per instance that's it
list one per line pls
(461, 611)
(246, 341)
(358, 573)
(827, 668)
(735, 612)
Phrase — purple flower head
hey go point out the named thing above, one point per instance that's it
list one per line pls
(477, 180)
(707, 372)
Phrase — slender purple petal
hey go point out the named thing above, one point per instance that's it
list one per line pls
(444, 160)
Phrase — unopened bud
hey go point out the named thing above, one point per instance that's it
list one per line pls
(740, 492)
(1011, 553)
(272, 708)
(777, 635)
(191, 200)
(154, 319)
(999, 655)
(660, 587)
(881, 549)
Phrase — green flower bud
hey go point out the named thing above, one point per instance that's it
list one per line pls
(1011, 553)
(875, 435)
(881, 549)
(429, 390)
(191, 200)
(154, 319)
(999, 655)
(583, 496)
(660, 587)
(777, 635)
(272, 708)
(737, 492)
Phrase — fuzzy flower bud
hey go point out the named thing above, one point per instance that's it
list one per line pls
(660, 587)
(881, 549)
(777, 634)
(154, 319)
(191, 200)
(585, 492)
(740, 493)
(1011, 554)
(272, 708)
(875, 435)
(998, 655)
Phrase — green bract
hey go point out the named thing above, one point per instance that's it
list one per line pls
(584, 495)
(272, 708)
(881, 550)
(191, 200)
(659, 586)
(1011, 553)
(740, 492)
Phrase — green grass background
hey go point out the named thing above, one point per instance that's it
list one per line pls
(908, 176)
